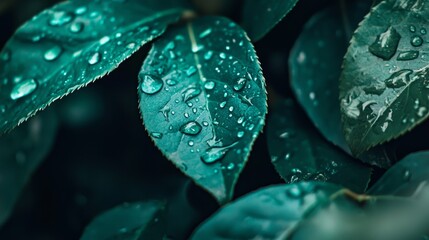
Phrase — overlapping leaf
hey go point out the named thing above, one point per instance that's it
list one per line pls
(203, 100)
(385, 82)
(315, 67)
(260, 16)
(70, 45)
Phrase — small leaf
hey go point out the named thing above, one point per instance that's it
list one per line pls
(405, 176)
(70, 45)
(130, 221)
(315, 67)
(259, 17)
(299, 153)
(203, 101)
(385, 82)
(266, 213)
(21, 152)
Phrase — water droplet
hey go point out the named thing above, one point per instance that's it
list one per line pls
(215, 154)
(406, 175)
(191, 143)
(170, 46)
(386, 44)
(77, 27)
(412, 28)
(377, 88)
(422, 111)
(416, 41)
(191, 93)
(205, 124)
(230, 166)
(208, 55)
(23, 89)
(60, 18)
(423, 31)
(131, 45)
(53, 53)
(171, 82)
(205, 33)
(156, 135)
(231, 109)
(5, 55)
(399, 78)
(240, 134)
(80, 10)
(209, 85)
(222, 104)
(408, 55)
(150, 84)
(94, 58)
(240, 120)
(222, 55)
(191, 128)
(293, 192)
(240, 84)
(104, 40)
(190, 71)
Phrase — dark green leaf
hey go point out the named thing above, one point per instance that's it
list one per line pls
(260, 16)
(266, 213)
(203, 101)
(299, 153)
(70, 45)
(405, 176)
(384, 83)
(136, 221)
(315, 67)
(21, 152)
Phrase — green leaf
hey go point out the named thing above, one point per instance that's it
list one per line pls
(266, 213)
(70, 45)
(203, 101)
(260, 16)
(21, 152)
(405, 176)
(315, 66)
(299, 153)
(384, 83)
(130, 221)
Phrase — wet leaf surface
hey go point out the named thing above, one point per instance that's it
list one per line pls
(315, 66)
(260, 16)
(130, 221)
(299, 153)
(203, 101)
(384, 83)
(21, 152)
(70, 45)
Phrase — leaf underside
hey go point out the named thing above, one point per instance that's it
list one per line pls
(203, 100)
(260, 16)
(385, 83)
(315, 67)
(70, 45)
(299, 153)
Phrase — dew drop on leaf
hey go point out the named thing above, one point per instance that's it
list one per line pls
(60, 18)
(293, 192)
(23, 89)
(412, 28)
(386, 44)
(208, 55)
(150, 84)
(52, 53)
(190, 71)
(240, 84)
(416, 41)
(191, 93)
(408, 55)
(240, 134)
(209, 85)
(156, 135)
(191, 128)
(77, 27)
(94, 58)
(205, 33)
(399, 78)
(80, 10)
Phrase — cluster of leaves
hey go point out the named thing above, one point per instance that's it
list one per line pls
(203, 101)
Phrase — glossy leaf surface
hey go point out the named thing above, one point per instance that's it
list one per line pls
(299, 153)
(21, 152)
(130, 221)
(385, 82)
(203, 100)
(315, 66)
(70, 45)
(260, 16)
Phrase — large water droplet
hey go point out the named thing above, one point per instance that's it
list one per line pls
(408, 55)
(240, 134)
(80, 10)
(94, 58)
(53, 53)
(23, 89)
(209, 85)
(399, 78)
(60, 18)
(412, 28)
(77, 27)
(150, 84)
(386, 44)
(104, 40)
(416, 41)
(191, 93)
(191, 128)
(215, 154)
(208, 55)
(240, 84)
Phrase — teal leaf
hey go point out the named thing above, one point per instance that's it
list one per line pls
(385, 83)
(315, 67)
(70, 45)
(21, 152)
(130, 221)
(405, 176)
(266, 213)
(299, 153)
(260, 16)
(203, 101)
